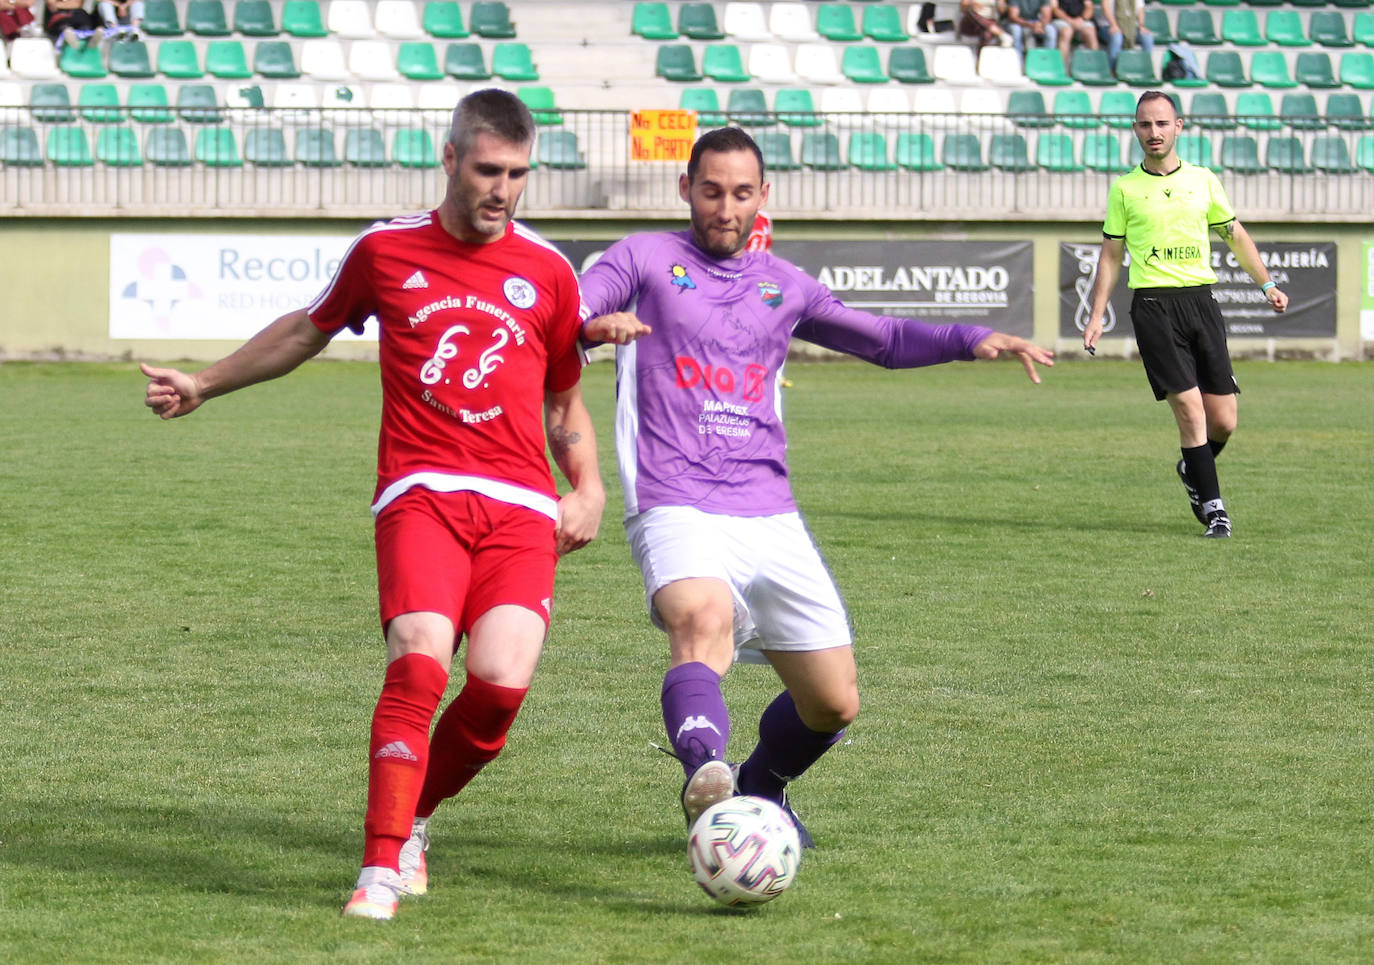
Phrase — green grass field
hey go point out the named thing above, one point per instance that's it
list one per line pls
(1087, 735)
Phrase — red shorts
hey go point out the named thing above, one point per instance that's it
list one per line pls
(460, 554)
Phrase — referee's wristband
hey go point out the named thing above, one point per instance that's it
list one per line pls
(1266, 286)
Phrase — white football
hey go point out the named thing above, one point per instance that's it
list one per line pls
(744, 851)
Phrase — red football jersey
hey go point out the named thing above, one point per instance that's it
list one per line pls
(761, 235)
(471, 337)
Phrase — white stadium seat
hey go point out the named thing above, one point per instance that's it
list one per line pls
(954, 64)
(771, 64)
(843, 106)
(33, 58)
(816, 64)
(350, 19)
(1001, 65)
(397, 19)
(887, 101)
(935, 100)
(745, 21)
(792, 22)
(322, 58)
(372, 60)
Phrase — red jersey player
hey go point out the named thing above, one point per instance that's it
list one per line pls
(479, 328)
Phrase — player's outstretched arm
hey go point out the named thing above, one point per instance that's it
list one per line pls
(1108, 271)
(617, 328)
(273, 352)
(572, 440)
(1029, 353)
(1247, 254)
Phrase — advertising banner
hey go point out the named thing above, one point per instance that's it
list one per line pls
(1367, 292)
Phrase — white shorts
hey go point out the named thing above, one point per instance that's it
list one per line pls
(785, 598)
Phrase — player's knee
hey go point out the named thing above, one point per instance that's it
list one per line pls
(833, 714)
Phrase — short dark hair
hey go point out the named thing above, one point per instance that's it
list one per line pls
(490, 111)
(722, 140)
(1156, 95)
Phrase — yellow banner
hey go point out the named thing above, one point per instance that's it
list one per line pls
(662, 135)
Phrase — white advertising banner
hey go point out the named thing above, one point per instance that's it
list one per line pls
(197, 286)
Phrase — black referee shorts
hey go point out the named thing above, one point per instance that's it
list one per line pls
(1182, 340)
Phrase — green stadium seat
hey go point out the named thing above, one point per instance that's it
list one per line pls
(365, 148)
(266, 147)
(118, 147)
(1266, 3)
(1299, 112)
(706, 103)
(1224, 69)
(1091, 67)
(1073, 108)
(68, 147)
(1364, 152)
(1284, 28)
(697, 21)
(674, 62)
(653, 21)
(1331, 156)
(862, 65)
(51, 104)
(1009, 152)
(560, 151)
(1197, 28)
(19, 147)
(747, 107)
(1351, 3)
(413, 148)
(1137, 68)
(883, 23)
(226, 60)
(82, 62)
(1026, 108)
(491, 19)
(1313, 69)
(1344, 112)
(303, 18)
(513, 61)
(1045, 66)
(541, 102)
(199, 104)
(963, 152)
(796, 108)
(315, 148)
(915, 151)
(776, 147)
(253, 18)
(1157, 22)
(416, 60)
(166, 147)
(1269, 68)
(1195, 149)
(178, 59)
(160, 19)
(1241, 27)
(129, 58)
(868, 151)
(908, 65)
(1362, 29)
(465, 62)
(206, 18)
(1327, 27)
(99, 104)
(1117, 108)
(1221, 3)
(1255, 111)
(444, 19)
(1208, 110)
(148, 104)
(1102, 153)
(1285, 154)
(722, 62)
(217, 147)
(1054, 152)
(273, 59)
(820, 151)
(1357, 70)
(835, 21)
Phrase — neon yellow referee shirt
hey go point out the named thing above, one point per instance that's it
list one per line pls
(1165, 220)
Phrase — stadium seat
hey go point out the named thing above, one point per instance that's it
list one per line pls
(491, 19)
(1299, 112)
(1285, 154)
(217, 147)
(414, 148)
(253, 18)
(1102, 153)
(444, 19)
(890, 105)
(1195, 149)
(129, 58)
(674, 62)
(369, 60)
(1117, 108)
(1091, 67)
(795, 107)
(776, 147)
(722, 62)
(117, 147)
(315, 148)
(1026, 108)
(1224, 69)
(1045, 66)
(771, 64)
(198, 104)
(1157, 22)
(19, 147)
(842, 106)
(1196, 27)
(1345, 113)
(1009, 152)
(1255, 111)
(835, 22)
(1208, 110)
(747, 107)
(542, 105)
(383, 99)
(1176, 3)
(1364, 153)
(51, 104)
(266, 147)
(1313, 69)
(1357, 70)
(513, 61)
(1000, 65)
(908, 65)
(706, 103)
(1362, 29)
(365, 148)
(1241, 27)
(936, 106)
(178, 59)
(1327, 27)
(1136, 67)
(1284, 28)
(1361, 4)
(962, 152)
(273, 59)
(1074, 109)
(746, 21)
(80, 62)
(416, 60)
(954, 64)
(466, 62)
(883, 23)
(148, 104)
(697, 21)
(916, 152)
(33, 58)
(861, 64)
(820, 151)
(867, 151)
(1331, 156)
(205, 18)
(791, 23)
(302, 18)
(166, 147)
(398, 20)
(652, 21)
(1269, 68)
(99, 104)
(225, 59)
(350, 19)
(69, 147)
(560, 151)
(160, 19)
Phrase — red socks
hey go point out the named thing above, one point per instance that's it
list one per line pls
(469, 735)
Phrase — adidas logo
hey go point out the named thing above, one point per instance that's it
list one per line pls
(416, 280)
(396, 749)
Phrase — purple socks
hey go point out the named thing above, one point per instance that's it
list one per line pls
(694, 714)
(786, 748)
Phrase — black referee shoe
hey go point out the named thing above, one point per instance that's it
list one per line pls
(1193, 499)
(1218, 525)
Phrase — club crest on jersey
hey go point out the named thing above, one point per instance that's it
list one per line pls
(519, 292)
(681, 280)
(771, 293)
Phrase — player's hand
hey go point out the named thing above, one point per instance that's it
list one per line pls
(1028, 352)
(618, 328)
(170, 392)
(579, 518)
(1091, 334)
(1278, 300)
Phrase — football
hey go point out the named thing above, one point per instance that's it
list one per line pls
(744, 851)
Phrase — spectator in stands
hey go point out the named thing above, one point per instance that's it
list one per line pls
(1073, 20)
(1120, 24)
(122, 18)
(16, 19)
(1030, 20)
(67, 21)
(979, 18)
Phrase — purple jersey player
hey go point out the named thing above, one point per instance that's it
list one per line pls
(729, 569)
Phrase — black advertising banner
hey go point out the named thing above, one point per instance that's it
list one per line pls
(1305, 271)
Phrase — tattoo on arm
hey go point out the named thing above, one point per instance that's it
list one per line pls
(561, 440)
(1227, 231)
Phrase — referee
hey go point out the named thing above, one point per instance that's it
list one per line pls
(1162, 211)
